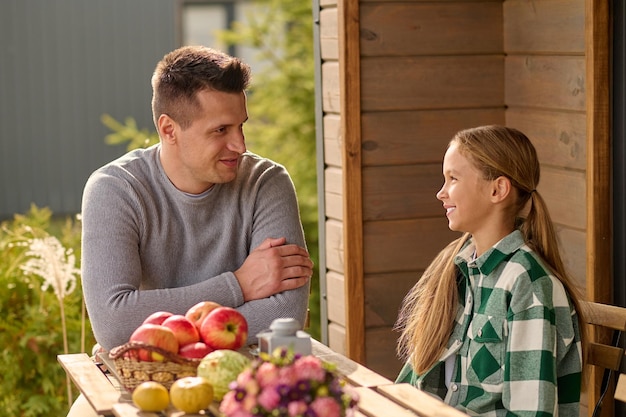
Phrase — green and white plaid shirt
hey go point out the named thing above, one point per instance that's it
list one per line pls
(516, 340)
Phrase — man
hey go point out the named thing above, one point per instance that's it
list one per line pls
(195, 217)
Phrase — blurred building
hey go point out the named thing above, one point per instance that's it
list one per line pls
(65, 63)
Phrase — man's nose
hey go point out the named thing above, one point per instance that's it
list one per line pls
(237, 143)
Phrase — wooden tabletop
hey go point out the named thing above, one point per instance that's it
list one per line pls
(378, 396)
(91, 382)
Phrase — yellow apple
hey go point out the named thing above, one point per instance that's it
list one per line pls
(151, 396)
(191, 394)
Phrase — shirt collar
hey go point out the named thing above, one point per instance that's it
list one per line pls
(489, 260)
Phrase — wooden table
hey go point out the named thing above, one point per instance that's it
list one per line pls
(379, 396)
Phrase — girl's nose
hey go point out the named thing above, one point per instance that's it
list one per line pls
(441, 193)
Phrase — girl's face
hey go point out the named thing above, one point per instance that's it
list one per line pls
(465, 194)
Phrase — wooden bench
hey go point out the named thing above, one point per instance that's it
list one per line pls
(605, 355)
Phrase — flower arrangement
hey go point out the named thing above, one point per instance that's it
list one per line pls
(285, 384)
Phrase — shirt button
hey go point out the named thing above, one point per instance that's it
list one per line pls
(454, 387)
(480, 332)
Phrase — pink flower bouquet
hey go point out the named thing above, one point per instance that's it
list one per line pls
(284, 384)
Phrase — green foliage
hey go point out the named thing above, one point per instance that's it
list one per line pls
(32, 383)
(128, 132)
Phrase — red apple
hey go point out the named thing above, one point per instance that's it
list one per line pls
(184, 330)
(198, 312)
(154, 335)
(132, 354)
(195, 350)
(224, 328)
(158, 317)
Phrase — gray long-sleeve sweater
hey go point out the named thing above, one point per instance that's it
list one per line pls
(147, 246)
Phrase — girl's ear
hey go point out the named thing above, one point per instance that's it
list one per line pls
(500, 189)
(167, 128)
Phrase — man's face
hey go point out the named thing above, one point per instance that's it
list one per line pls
(208, 151)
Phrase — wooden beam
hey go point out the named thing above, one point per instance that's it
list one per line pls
(349, 70)
(599, 168)
(599, 216)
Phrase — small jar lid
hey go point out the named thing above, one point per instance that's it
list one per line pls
(285, 326)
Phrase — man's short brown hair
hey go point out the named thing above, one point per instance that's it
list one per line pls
(185, 71)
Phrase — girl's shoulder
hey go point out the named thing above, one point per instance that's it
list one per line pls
(534, 265)
(532, 282)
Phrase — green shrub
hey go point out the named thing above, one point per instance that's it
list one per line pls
(32, 383)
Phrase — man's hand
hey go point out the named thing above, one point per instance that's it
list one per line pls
(274, 267)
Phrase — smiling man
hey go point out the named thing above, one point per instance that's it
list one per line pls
(196, 217)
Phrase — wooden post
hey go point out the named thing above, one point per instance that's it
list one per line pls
(599, 203)
(350, 80)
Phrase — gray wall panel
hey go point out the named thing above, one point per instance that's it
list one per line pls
(64, 63)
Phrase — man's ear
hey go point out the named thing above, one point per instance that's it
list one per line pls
(167, 128)
(500, 189)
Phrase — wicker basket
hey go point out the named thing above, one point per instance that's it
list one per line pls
(131, 371)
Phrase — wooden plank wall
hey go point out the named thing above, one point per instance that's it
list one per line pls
(545, 94)
(544, 44)
(333, 176)
(422, 79)
(429, 69)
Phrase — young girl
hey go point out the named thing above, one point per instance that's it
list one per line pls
(492, 325)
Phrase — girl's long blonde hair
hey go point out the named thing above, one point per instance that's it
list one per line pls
(428, 312)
